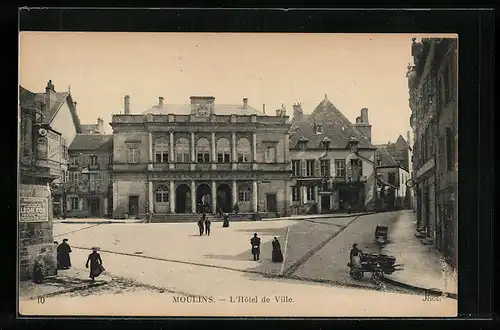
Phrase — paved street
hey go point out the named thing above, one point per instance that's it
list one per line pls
(174, 258)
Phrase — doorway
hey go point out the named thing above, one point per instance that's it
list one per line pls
(182, 199)
(271, 203)
(203, 195)
(325, 203)
(224, 198)
(95, 204)
(133, 205)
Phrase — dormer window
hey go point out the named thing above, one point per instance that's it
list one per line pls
(379, 162)
(302, 144)
(319, 129)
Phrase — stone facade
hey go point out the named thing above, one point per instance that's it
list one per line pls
(171, 158)
(433, 82)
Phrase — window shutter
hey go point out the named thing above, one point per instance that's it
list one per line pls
(80, 204)
(303, 167)
(317, 170)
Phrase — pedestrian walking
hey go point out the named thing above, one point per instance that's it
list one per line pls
(208, 223)
(200, 226)
(63, 251)
(255, 242)
(220, 212)
(277, 255)
(95, 261)
(236, 208)
(225, 222)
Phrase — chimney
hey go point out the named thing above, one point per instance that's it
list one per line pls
(49, 95)
(160, 101)
(100, 125)
(245, 103)
(363, 125)
(297, 111)
(126, 108)
(278, 112)
(263, 108)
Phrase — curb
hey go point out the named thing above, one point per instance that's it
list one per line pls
(94, 222)
(73, 289)
(305, 217)
(436, 292)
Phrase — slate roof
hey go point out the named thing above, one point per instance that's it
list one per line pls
(336, 127)
(386, 159)
(29, 99)
(219, 109)
(87, 128)
(94, 142)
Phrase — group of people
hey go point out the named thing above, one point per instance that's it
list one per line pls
(276, 255)
(94, 259)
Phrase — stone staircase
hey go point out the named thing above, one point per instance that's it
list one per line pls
(191, 217)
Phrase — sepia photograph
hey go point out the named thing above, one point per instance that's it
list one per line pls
(237, 174)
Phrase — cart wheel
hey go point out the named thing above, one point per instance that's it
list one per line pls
(356, 273)
(378, 274)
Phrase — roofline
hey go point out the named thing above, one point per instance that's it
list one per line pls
(323, 149)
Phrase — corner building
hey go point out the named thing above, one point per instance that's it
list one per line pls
(172, 157)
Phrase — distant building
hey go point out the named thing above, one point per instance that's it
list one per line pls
(433, 89)
(89, 192)
(172, 157)
(97, 128)
(48, 122)
(393, 167)
(332, 161)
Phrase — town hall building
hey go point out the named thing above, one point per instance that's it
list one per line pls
(171, 158)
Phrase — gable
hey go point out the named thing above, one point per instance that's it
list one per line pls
(62, 122)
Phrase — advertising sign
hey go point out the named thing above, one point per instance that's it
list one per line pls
(33, 209)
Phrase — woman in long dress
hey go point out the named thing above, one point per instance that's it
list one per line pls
(95, 261)
(277, 256)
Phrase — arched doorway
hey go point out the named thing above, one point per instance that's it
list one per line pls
(203, 194)
(224, 198)
(182, 199)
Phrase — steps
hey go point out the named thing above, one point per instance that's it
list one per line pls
(192, 217)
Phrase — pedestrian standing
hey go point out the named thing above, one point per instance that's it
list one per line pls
(63, 251)
(225, 222)
(95, 261)
(255, 242)
(208, 223)
(277, 255)
(200, 226)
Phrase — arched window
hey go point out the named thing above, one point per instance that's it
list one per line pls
(203, 150)
(243, 150)
(162, 194)
(450, 150)
(223, 150)
(161, 150)
(244, 193)
(182, 150)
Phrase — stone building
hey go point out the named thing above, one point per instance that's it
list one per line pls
(47, 123)
(433, 99)
(393, 169)
(332, 161)
(170, 158)
(89, 185)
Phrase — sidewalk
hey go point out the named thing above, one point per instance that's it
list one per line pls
(95, 220)
(65, 281)
(319, 216)
(423, 265)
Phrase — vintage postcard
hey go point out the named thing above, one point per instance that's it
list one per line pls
(219, 174)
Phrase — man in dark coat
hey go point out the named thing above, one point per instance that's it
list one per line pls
(208, 223)
(200, 226)
(63, 251)
(255, 241)
(225, 222)
(277, 255)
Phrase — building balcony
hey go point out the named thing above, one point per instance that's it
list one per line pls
(130, 167)
(94, 167)
(273, 167)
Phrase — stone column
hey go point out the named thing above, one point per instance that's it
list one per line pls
(193, 148)
(193, 197)
(255, 198)
(150, 139)
(234, 156)
(317, 198)
(303, 195)
(171, 196)
(287, 199)
(287, 148)
(151, 197)
(214, 197)
(214, 152)
(234, 191)
(171, 140)
(254, 147)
